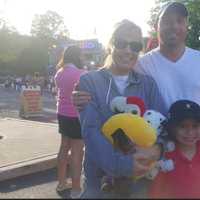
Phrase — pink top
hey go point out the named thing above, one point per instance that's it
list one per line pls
(65, 79)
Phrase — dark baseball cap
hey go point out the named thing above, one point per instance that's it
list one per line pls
(171, 8)
(183, 109)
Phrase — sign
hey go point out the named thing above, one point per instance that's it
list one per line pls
(30, 102)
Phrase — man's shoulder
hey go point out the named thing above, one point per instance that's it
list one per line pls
(193, 52)
(147, 58)
(147, 62)
(149, 54)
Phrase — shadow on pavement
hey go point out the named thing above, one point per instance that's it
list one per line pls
(28, 181)
(32, 180)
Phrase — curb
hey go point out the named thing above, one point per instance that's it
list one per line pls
(28, 167)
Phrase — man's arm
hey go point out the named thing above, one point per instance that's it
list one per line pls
(80, 98)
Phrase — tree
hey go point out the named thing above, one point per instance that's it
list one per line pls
(32, 58)
(48, 26)
(11, 45)
(193, 7)
(50, 29)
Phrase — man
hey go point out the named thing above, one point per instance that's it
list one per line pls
(174, 67)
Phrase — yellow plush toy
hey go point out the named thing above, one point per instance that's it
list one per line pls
(134, 128)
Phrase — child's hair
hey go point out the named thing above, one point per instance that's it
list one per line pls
(71, 55)
(178, 112)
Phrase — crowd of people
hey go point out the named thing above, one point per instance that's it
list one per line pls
(17, 82)
(166, 79)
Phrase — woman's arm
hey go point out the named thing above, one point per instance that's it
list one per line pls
(80, 98)
(99, 149)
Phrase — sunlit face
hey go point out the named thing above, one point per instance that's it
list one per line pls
(188, 132)
(172, 30)
(125, 56)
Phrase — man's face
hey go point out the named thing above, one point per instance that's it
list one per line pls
(172, 30)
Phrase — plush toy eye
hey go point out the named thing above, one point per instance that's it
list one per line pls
(148, 113)
(117, 110)
(133, 109)
(135, 112)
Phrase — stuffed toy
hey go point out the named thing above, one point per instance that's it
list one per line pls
(133, 125)
(126, 129)
(157, 121)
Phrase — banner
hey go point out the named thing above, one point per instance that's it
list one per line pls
(30, 102)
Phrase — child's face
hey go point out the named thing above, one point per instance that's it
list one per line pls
(187, 132)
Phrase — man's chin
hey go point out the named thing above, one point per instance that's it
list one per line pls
(171, 44)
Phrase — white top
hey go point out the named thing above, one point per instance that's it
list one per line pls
(176, 80)
(121, 82)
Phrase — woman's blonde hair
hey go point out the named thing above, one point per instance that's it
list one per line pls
(70, 55)
(119, 28)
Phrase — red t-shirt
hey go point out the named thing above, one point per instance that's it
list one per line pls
(182, 182)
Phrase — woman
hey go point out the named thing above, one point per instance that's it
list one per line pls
(69, 71)
(116, 78)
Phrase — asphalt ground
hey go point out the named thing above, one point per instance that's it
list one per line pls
(35, 186)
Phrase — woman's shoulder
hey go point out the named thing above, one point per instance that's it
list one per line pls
(145, 78)
(93, 75)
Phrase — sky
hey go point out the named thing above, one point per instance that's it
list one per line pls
(81, 17)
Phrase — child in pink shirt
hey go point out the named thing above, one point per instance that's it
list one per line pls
(68, 74)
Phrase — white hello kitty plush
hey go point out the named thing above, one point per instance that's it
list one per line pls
(156, 120)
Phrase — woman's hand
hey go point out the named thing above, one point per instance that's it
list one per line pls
(143, 159)
(153, 152)
(141, 166)
(80, 98)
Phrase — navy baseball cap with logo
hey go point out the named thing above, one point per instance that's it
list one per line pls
(171, 8)
(181, 110)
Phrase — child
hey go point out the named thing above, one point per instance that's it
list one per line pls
(183, 126)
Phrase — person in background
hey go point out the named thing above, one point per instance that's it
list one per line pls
(183, 126)
(116, 78)
(68, 73)
(173, 65)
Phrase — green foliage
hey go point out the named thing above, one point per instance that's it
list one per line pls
(193, 7)
(22, 54)
(48, 26)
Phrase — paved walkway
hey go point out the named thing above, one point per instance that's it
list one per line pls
(26, 147)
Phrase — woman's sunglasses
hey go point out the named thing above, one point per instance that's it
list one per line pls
(135, 47)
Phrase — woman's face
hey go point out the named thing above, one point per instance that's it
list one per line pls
(188, 132)
(125, 50)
